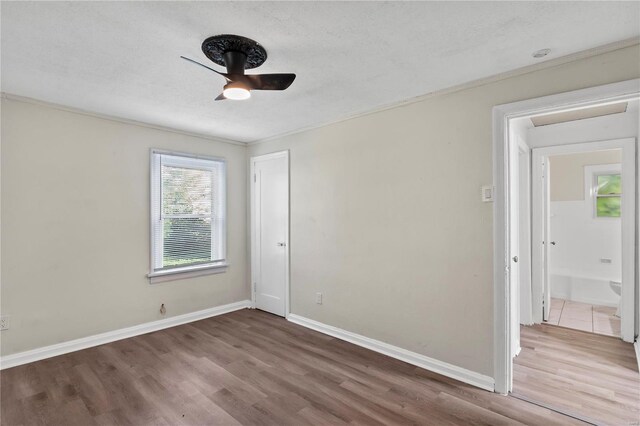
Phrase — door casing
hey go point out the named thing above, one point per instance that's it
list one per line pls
(254, 231)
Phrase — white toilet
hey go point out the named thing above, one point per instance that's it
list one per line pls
(616, 286)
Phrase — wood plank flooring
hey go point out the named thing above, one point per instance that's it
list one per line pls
(589, 374)
(247, 367)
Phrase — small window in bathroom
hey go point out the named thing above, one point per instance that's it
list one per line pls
(608, 194)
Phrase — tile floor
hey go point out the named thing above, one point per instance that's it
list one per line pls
(585, 317)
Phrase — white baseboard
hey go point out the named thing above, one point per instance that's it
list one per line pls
(636, 345)
(518, 351)
(111, 336)
(422, 361)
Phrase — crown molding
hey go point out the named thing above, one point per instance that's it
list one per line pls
(595, 51)
(18, 98)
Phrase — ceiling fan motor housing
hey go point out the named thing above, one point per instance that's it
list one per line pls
(236, 53)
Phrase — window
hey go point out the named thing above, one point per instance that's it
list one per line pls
(187, 213)
(608, 194)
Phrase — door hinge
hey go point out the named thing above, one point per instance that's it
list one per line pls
(254, 178)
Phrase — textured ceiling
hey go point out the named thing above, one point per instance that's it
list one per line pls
(122, 58)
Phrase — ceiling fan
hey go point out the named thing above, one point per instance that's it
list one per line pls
(237, 54)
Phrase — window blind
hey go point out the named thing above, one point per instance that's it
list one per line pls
(188, 213)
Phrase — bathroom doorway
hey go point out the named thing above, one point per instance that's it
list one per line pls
(583, 206)
(585, 241)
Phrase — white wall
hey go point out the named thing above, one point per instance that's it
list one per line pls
(582, 240)
(75, 227)
(387, 221)
(577, 272)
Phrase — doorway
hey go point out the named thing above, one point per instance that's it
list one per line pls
(269, 177)
(505, 251)
(588, 221)
(573, 259)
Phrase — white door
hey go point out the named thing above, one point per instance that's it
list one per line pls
(270, 231)
(514, 252)
(548, 244)
(524, 243)
(541, 294)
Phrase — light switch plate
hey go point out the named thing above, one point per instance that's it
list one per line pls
(4, 322)
(487, 193)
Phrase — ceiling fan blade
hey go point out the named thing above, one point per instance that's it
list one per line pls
(209, 68)
(220, 97)
(270, 81)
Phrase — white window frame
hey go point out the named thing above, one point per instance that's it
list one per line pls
(591, 174)
(195, 161)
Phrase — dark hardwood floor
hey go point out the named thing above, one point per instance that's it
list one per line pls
(588, 374)
(246, 367)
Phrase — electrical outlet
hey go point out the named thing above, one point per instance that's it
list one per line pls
(4, 322)
(319, 298)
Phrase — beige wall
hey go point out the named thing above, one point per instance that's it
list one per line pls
(386, 217)
(567, 172)
(75, 227)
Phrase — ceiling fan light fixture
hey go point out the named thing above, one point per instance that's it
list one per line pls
(237, 54)
(236, 91)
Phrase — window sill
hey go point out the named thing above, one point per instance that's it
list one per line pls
(191, 272)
